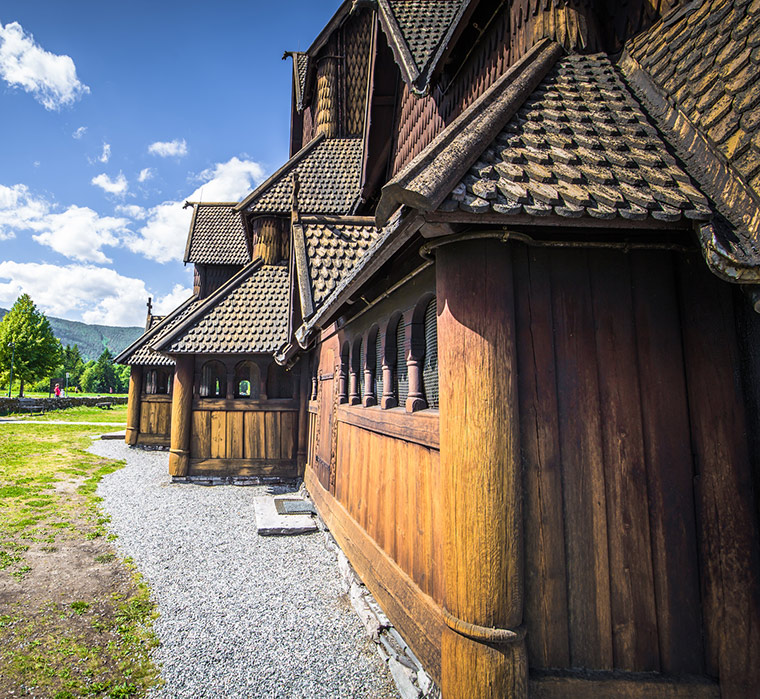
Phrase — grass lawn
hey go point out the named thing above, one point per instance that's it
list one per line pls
(81, 413)
(75, 620)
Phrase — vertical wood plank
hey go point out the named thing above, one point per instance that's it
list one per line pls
(584, 493)
(634, 618)
(144, 417)
(287, 435)
(729, 538)
(234, 435)
(670, 470)
(218, 434)
(133, 405)
(546, 611)
(272, 428)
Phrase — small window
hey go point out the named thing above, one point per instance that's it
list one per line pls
(402, 372)
(149, 382)
(247, 380)
(430, 361)
(213, 380)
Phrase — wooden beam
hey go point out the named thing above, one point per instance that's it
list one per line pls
(483, 649)
(182, 402)
(133, 406)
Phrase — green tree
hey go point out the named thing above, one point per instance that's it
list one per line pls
(73, 364)
(27, 339)
(101, 376)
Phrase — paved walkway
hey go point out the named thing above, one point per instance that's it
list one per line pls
(240, 615)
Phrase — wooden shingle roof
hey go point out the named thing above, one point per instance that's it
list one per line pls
(141, 353)
(580, 145)
(328, 171)
(217, 235)
(697, 72)
(248, 315)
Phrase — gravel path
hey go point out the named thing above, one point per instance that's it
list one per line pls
(240, 615)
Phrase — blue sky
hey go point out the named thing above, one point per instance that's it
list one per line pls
(112, 115)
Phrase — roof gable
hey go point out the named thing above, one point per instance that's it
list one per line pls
(328, 171)
(419, 32)
(217, 235)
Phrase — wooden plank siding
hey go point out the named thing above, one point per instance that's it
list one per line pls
(155, 420)
(254, 440)
(640, 510)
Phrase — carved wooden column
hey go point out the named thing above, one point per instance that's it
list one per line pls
(415, 399)
(369, 384)
(483, 649)
(305, 387)
(388, 399)
(133, 405)
(182, 411)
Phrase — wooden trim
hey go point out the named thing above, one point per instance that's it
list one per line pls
(153, 440)
(284, 468)
(156, 397)
(420, 427)
(418, 618)
(595, 686)
(244, 405)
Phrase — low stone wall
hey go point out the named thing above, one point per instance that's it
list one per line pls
(22, 405)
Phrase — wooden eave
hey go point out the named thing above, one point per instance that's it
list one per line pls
(189, 242)
(210, 302)
(425, 182)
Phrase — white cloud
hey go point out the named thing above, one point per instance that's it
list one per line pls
(105, 156)
(81, 131)
(78, 232)
(167, 149)
(145, 174)
(82, 292)
(50, 79)
(164, 235)
(174, 298)
(133, 211)
(117, 186)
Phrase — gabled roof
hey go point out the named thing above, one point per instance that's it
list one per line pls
(328, 171)
(217, 235)
(247, 315)
(139, 353)
(697, 72)
(326, 250)
(419, 32)
(580, 146)
(300, 71)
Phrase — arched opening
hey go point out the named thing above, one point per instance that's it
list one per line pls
(213, 380)
(401, 373)
(430, 359)
(247, 380)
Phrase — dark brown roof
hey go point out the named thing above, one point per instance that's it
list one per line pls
(140, 352)
(217, 236)
(580, 146)
(333, 250)
(418, 32)
(698, 73)
(248, 315)
(328, 173)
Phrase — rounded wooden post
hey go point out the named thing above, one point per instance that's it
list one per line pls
(133, 405)
(182, 410)
(483, 648)
(305, 386)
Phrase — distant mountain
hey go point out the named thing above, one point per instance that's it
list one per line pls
(92, 339)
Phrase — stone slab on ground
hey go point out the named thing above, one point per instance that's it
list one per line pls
(114, 435)
(270, 523)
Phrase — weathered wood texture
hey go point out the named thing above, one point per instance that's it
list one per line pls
(628, 398)
(480, 468)
(391, 489)
(133, 405)
(155, 420)
(244, 442)
(182, 404)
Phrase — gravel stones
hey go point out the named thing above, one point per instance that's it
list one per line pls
(240, 615)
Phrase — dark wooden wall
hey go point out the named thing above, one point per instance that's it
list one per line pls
(155, 419)
(640, 510)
